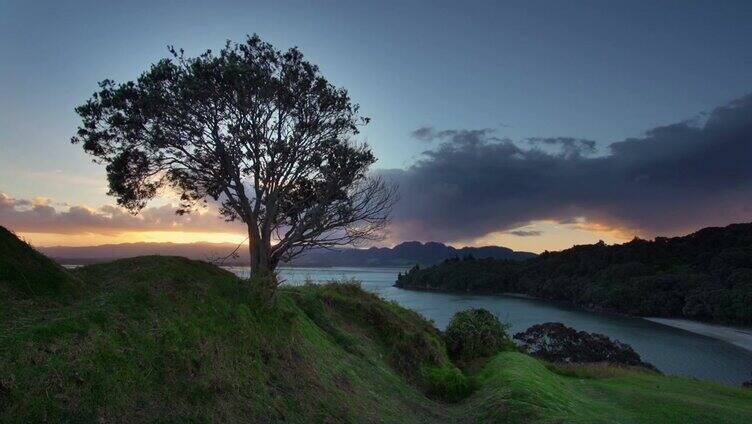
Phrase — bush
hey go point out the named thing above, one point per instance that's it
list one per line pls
(555, 342)
(446, 383)
(475, 333)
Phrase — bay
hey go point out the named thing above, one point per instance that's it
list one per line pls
(672, 350)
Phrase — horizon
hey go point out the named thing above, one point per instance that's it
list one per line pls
(560, 125)
(245, 243)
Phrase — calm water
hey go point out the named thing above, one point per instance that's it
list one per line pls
(673, 351)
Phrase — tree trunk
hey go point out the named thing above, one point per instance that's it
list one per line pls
(260, 261)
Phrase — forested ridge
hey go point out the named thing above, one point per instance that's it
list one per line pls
(703, 276)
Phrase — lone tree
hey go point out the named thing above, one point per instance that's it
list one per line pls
(259, 131)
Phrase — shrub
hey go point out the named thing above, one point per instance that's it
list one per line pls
(475, 333)
(555, 342)
(448, 384)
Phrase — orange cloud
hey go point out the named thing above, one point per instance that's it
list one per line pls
(39, 216)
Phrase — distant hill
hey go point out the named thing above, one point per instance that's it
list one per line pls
(25, 272)
(404, 254)
(703, 276)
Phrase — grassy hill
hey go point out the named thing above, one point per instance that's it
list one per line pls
(30, 279)
(27, 273)
(166, 339)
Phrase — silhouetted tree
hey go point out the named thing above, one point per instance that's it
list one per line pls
(259, 131)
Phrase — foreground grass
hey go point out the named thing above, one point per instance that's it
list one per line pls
(162, 339)
(173, 340)
(28, 276)
(518, 388)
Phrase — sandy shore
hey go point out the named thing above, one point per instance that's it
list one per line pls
(741, 337)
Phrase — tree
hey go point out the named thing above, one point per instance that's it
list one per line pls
(475, 333)
(259, 131)
(555, 342)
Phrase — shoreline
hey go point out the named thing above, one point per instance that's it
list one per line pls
(737, 336)
(740, 337)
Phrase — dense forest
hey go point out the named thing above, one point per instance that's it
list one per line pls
(704, 276)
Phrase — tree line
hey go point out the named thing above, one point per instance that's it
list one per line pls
(704, 276)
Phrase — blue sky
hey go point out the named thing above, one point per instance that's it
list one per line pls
(603, 71)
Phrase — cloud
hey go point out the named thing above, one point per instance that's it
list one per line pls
(38, 216)
(455, 136)
(674, 179)
(423, 134)
(525, 233)
(567, 146)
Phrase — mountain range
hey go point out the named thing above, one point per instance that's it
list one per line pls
(403, 254)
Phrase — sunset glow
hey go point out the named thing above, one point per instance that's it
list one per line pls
(46, 239)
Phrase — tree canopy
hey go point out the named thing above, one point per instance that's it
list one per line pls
(258, 131)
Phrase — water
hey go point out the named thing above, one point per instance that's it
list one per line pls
(672, 350)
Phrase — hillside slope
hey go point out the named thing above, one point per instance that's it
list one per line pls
(704, 276)
(166, 339)
(24, 272)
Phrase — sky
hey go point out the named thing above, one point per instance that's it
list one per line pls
(534, 124)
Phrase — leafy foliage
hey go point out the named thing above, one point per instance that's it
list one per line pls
(259, 131)
(475, 333)
(555, 342)
(704, 276)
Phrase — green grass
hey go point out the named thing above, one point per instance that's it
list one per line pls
(26, 273)
(518, 388)
(168, 340)
(161, 339)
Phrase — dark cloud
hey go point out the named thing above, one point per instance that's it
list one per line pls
(525, 233)
(455, 136)
(423, 134)
(675, 179)
(37, 216)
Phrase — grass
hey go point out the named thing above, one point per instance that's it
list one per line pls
(161, 339)
(25, 273)
(518, 388)
(167, 340)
